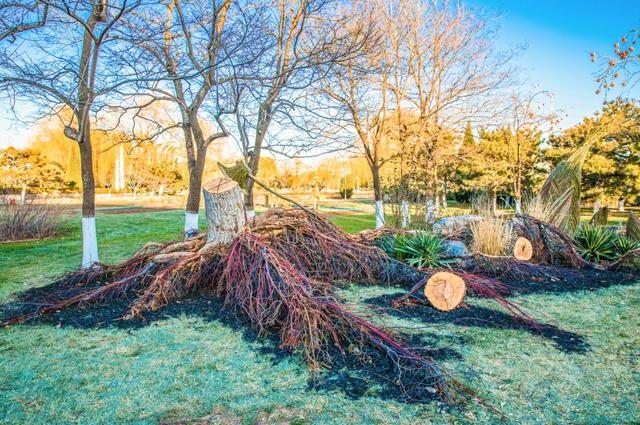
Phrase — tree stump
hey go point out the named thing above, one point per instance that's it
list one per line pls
(224, 210)
(445, 291)
(523, 250)
(633, 227)
(600, 217)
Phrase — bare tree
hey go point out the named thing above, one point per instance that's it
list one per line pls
(530, 118)
(369, 90)
(457, 75)
(188, 49)
(51, 54)
(620, 67)
(300, 40)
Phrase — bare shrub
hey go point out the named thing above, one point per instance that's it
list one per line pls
(30, 220)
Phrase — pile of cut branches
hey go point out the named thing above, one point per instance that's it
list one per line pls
(279, 274)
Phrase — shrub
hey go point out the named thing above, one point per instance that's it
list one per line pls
(596, 243)
(421, 249)
(29, 221)
(388, 245)
(624, 244)
(491, 235)
(346, 192)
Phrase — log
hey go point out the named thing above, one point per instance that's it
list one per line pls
(224, 210)
(523, 250)
(445, 291)
(600, 217)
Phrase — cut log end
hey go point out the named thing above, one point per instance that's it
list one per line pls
(523, 250)
(219, 185)
(445, 291)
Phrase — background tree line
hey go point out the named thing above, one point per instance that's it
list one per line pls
(418, 89)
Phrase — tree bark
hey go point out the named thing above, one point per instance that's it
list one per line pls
(377, 195)
(196, 170)
(224, 211)
(89, 237)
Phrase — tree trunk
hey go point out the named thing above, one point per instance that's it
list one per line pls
(377, 195)
(224, 210)
(193, 199)
(89, 237)
(406, 214)
(248, 200)
(430, 209)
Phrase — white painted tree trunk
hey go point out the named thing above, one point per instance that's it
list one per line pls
(406, 214)
(621, 204)
(224, 209)
(379, 207)
(190, 223)
(518, 206)
(431, 210)
(89, 242)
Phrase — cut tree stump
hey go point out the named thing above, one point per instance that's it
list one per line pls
(445, 291)
(633, 227)
(523, 250)
(224, 211)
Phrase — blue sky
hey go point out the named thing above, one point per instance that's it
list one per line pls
(559, 36)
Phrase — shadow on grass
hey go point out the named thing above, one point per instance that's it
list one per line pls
(482, 317)
(348, 374)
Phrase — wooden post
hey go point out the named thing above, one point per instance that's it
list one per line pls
(224, 210)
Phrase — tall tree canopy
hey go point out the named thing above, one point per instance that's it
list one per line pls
(612, 169)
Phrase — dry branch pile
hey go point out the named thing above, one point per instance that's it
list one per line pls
(278, 273)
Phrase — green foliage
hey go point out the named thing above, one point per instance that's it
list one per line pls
(346, 192)
(613, 166)
(624, 244)
(498, 159)
(421, 249)
(596, 243)
(29, 169)
(468, 139)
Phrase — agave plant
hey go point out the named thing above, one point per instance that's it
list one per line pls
(387, 244)
(596, 243)
(421, 249)
(624, 244)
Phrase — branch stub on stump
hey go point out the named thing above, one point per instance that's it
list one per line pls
(445, 291)
(523, 250)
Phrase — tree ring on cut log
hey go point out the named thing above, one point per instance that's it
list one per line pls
(523, 250)
(445, 291)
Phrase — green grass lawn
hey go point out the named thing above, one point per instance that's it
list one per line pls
(190, 366)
